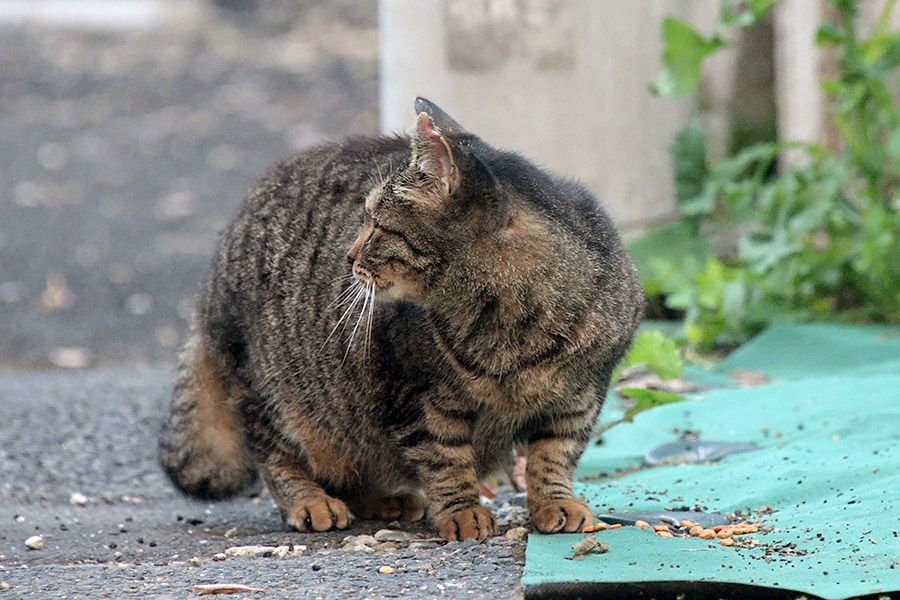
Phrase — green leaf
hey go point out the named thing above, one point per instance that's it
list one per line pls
(828, 34)
(684, 50)
(743, 13)
(893, 145)
(659, 353)
(689, 161)
(647, 399)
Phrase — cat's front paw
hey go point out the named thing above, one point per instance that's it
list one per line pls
(567, 515)
(318, 513)
(470, 523)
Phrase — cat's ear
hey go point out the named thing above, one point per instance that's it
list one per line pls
(431, 154)
(444, 122)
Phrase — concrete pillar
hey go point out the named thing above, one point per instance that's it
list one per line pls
(563, 81)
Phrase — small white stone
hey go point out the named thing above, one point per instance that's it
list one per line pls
(77, 499)
(70, 357)
(35, 542)
(253, 550)
(517, 534)
(391, 535)
(220, 557)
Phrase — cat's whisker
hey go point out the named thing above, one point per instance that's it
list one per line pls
(371, 319)
(362, 313)
(344, 277)
(343, 297)
(359, 293)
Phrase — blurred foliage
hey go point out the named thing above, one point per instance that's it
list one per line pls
(662, 357)
(818, 241)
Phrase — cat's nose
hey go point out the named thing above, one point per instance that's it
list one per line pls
(351, 259)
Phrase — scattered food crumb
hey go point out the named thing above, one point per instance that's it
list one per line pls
(599, 526)
(386, 570)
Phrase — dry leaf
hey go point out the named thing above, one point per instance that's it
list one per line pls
(225, 588)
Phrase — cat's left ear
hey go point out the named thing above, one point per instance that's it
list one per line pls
(432, 154)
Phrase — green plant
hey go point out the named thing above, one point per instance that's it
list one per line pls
(818, 241)
(662, 357)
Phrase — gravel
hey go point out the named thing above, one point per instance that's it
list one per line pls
(94, 431)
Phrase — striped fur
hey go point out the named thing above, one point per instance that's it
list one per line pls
(490, 302)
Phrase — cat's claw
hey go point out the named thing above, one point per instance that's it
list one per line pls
(569, 515)
(319, 513)
(471, 523)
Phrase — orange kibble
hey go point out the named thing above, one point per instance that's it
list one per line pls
(615, 526)
(687, 524)
(727, 542)
(641, 524)
(659, 528)
(707, 534)
(725, 533)
(719, 528)
(695, 530)
(751, 528)
(664, 534)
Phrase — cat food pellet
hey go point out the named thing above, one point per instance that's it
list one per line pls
(641, 524)
(751, 528)
(664, 534)
(724, 533)
(719, 528)
(727, 542)
(386, 570)
(594, 528)
(659, 528)
(615, 526)
(707, 534)
(695, 530)
(687, 524)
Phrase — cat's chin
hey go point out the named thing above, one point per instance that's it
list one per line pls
(396, 291)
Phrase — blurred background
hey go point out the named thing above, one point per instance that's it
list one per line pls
(130, 129)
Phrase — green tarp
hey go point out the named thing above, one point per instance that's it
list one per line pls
(828, 427)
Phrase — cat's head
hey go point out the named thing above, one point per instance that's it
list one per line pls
(427, 213)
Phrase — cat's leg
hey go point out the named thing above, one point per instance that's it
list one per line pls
(445, 461)
(303, 503)
(553, 453)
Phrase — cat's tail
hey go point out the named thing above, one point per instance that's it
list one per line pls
(202, 446)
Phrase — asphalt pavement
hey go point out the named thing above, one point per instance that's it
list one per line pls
(127, 138)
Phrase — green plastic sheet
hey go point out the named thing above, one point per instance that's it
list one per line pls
(828, 427)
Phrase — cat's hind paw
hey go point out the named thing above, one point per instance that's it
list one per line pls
(406, 507)
(470, 523)
(568, 515)
(318, 513)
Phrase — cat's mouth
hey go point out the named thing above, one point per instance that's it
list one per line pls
(369, 279)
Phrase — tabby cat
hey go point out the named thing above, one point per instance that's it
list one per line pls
(383, 370)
